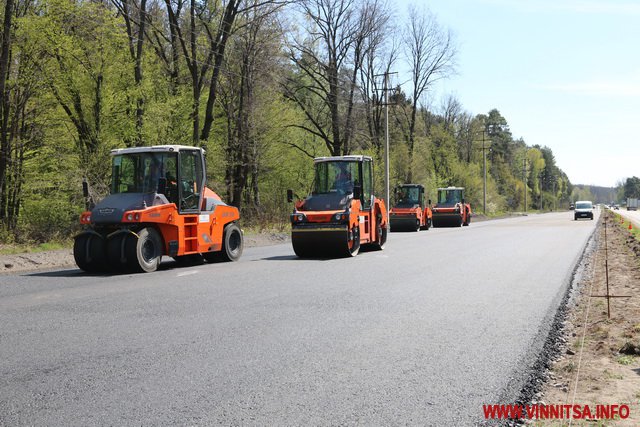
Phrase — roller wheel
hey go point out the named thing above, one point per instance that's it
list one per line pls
(427, 224)
(353, 245)
(89, 253)
(381, 234)
(232, 245)
(417, 225)
(144, 253)
(116, 252)
(301, 251)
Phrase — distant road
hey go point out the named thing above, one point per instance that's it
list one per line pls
(634, 216)
(424, 332)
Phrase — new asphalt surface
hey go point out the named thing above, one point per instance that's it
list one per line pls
(422, 333)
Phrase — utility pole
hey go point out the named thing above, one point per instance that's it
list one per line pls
(386, 143)
(387, 201)
(554, 192)
(540, 192)
(484, 171)
(524, 181)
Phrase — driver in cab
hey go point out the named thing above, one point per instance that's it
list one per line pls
(342, 180)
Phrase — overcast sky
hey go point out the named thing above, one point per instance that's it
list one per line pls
(564, 73)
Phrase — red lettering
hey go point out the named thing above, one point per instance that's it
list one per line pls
(602, 412)
(543, 412)
(531, 411)
(502, 411)
(576, 412)
(624, 412)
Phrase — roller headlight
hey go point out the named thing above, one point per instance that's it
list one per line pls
(298, 217)
(340, 216)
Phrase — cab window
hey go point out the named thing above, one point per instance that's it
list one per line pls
(367, 184)
(190, 180)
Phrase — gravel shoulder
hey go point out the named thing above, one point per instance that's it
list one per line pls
(17, 263)
(599, 360)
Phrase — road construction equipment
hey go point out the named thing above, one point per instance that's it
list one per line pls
(341, 214)
(159, 205)
(410, 211)
(451, 209)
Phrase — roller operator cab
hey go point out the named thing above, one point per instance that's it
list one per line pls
(159, 205)
(410, 212)
(341, 214)
(451, 209)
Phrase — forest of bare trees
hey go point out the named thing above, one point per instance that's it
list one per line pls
(262, 85)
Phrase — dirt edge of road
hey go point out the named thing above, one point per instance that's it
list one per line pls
(32, 261)
(588, 359)
(550, 342)
(598, 362)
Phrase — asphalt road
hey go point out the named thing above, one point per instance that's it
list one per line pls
(633, 216)
(422, 333)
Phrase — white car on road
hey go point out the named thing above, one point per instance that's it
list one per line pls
(584, 209)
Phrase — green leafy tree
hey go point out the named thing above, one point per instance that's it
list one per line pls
(632, 187)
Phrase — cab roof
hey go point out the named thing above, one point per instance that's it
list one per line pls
(354, 158)
(410, 185)
(451, 188)
(153, 149)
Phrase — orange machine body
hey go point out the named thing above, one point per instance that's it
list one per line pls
(410, 212)
(182, 234)
(158, 206)
(451, 208)
(337, 221)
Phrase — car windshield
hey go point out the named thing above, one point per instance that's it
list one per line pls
(407, 196)
(449, 197)
(140, 172)
(336, 176)
(586, 205)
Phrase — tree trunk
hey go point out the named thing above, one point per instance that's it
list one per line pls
(335, 146)
(412, 131)
(138, 72)
(195, 112)
(4, 105)
(219, 47)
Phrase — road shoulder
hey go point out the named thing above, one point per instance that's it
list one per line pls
(44, 260)
(599, 358)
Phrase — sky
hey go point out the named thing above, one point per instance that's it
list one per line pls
(565, 74)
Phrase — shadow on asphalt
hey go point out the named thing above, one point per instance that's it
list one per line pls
(281, 258)
(294, 258)
(61, 273)
(76, 272)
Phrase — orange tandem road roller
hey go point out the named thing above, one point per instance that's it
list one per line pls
(341, 214)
